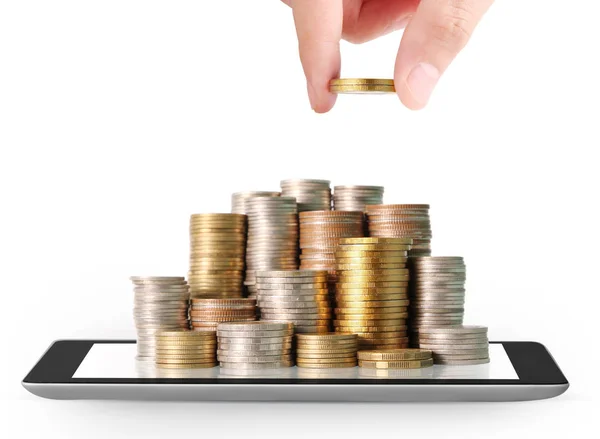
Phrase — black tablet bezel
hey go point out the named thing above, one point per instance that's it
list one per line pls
(532, 362)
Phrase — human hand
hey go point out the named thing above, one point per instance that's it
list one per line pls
(436, 31)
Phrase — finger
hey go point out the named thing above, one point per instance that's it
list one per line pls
(437, 32)
(365, 21)
(319, 29)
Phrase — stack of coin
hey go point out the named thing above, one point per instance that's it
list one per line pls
(206, 314)
(186, 349)
(326, 351)
(395, 359)
(372, 291)
(356, 198)
(456, 345)
(402, 221)
(255, 345)
(239, 199)
(309, 194)
(272, 237)
(160, 303)
(437, 289)
(361, 86)
(217, 250)
(300, 297)
(320, 232)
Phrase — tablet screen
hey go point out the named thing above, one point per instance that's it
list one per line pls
(108, 360)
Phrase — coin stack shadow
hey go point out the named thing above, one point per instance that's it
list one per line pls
(272, 237)
(186, 349)
(356, 198)
(395, 359)
(255, 345)
(217, 251)
(300, 297)
(456, 345)
(372, 291)
(437, 292)
(206, 314)
(326, 351)
(320, 233)
(160, 303)
(402, 221)
(239, 199)
(309, 194)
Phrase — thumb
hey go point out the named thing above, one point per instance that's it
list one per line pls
(438, 31)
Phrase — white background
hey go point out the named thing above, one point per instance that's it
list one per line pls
(118, 119)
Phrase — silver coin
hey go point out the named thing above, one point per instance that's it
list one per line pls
(233, 347)
(248, 359)
(250, 334)
(464, 329)
(254, 326)
(459, 349)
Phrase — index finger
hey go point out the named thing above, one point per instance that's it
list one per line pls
(319, 29)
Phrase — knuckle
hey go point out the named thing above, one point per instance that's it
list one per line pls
(452, 30)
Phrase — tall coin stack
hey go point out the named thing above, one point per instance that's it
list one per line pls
(160, 303)
(320, 232)
(206, 314)
(402, 221)
(300, 297)
(186, 349)
(356, 198)
(272, 237)
(255, 345)
(456, 345)
(372, 291)
(239, 199)
(309, 194)
(437, 289)
(217, 249)
(326, 351)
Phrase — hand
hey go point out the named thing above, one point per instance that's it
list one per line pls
(436, 31)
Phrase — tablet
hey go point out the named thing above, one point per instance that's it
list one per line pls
(107, 369)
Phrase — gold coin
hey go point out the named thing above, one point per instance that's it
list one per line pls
(369, 259)
(348, 250)
(364, 312)
(191, 356)
(372, 240)
(360, 81)
(301, 350)
(408, 364)
(362, 267)
(372, 304)
(185, 361)
(325, 337)
(359, 89)
(395, 354)
(368, 317)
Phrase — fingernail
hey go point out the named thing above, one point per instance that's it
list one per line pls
(312, 95)
(421, 81)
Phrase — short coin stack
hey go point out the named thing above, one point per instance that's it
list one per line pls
(402, 221)
(239, 199)
(206, 314)
(356, 198)
(186, 349)
(217, 250)
(309, 194)
(395, 359)
(326, 351)
(160, 303)
(300, 297)
(255, 345)
(361, 86)
(437, 289)
(372, 291)
(272, 237)
(457, 345)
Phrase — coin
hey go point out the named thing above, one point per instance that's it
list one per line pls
(273, 365)
(406, 364)
(395, 354)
